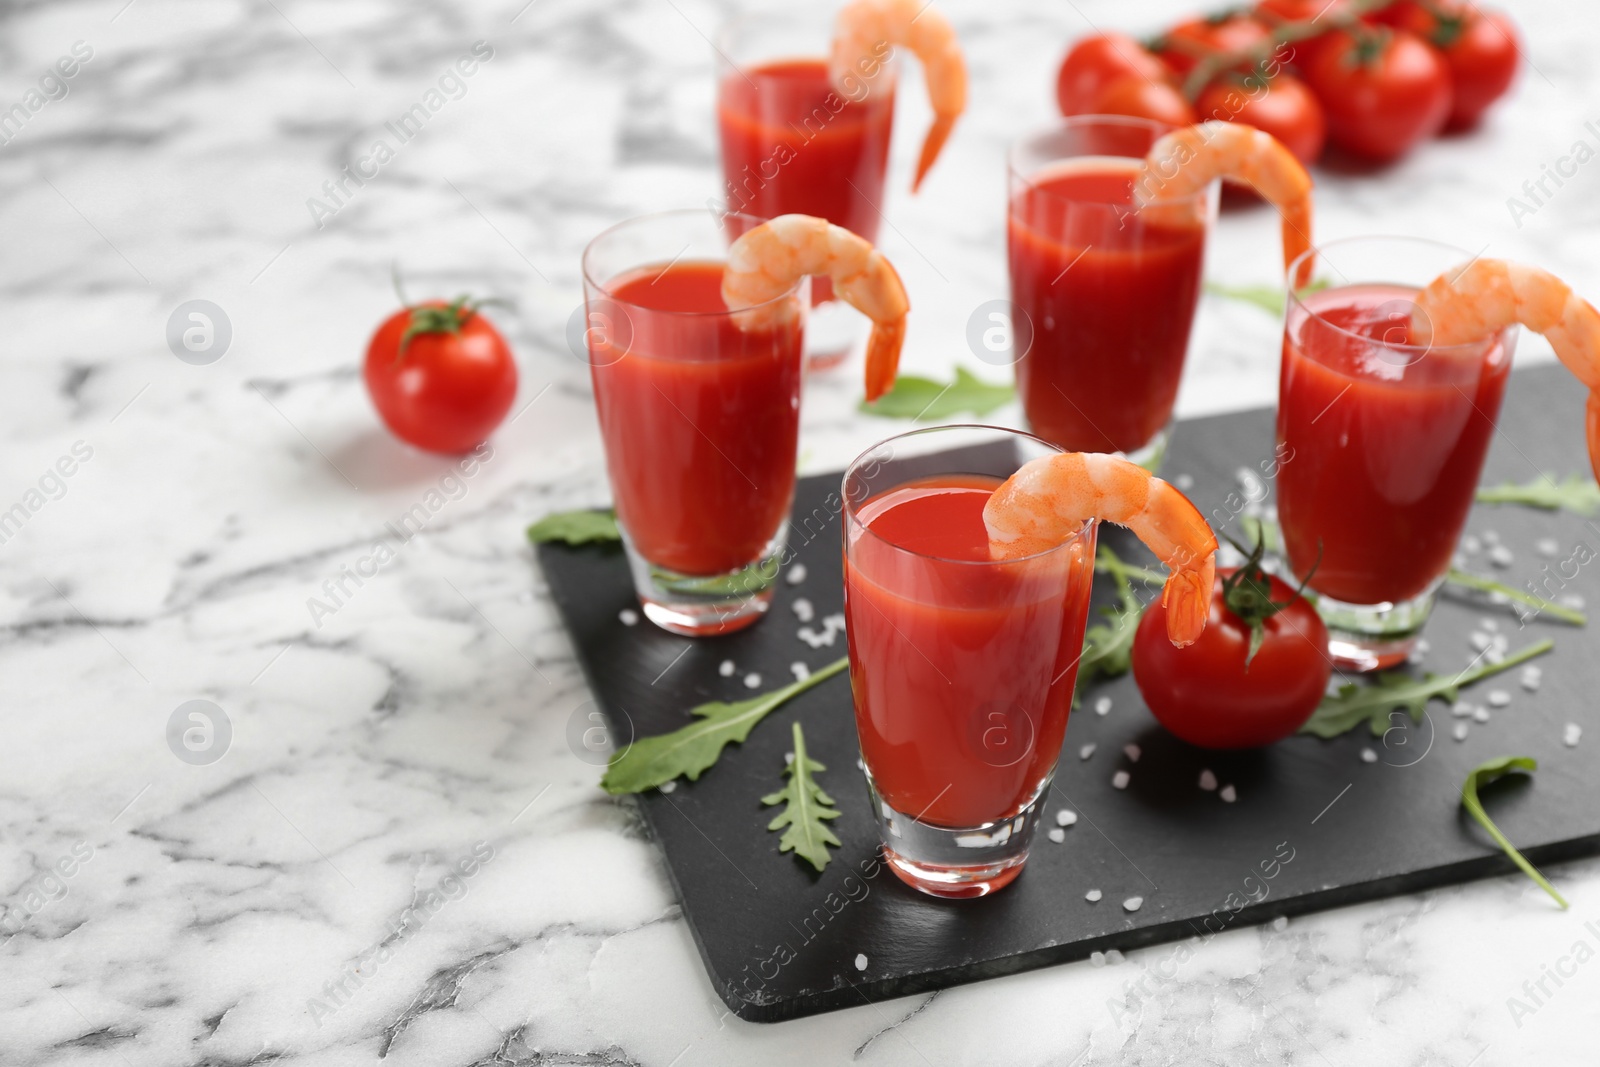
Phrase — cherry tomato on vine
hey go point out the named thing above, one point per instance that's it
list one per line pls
(1133, 94)
(440, 375)
(1316, 13)
(1187, 43)
(1095, 62)
(1479, 46)
(1284, 107)
(1255, 675)
(1383, 90)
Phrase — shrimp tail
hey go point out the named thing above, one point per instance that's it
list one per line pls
(1297, 239)
(932, 145)
(883, 356)
(1187, 598)
(1593, 431)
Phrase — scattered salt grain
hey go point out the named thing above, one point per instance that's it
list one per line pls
(1530, 681)
(726, 668)
(1488, 624)
(796, 574)
(1570, 737)
(1494, 655)
(1499, 698)
(1571, 600)
(667, 787)
(1461, 709)
(1057, 834)
(1208, 781)
(1114, 956)
(1133, 752)
(1184, 482)
(1549, 546)
(832, 627)
(1470, 543)
(1066, 817)
(1490, 537)
(1119, 780)
(1086, 751)
(1423, 646)
(1368, 756)
(628, 616)
(1097, 959)
(1133, 904)
(1102, 706)
(1481, 641)
(752, 680)
(1093, 895)
(861, 961)
(1415, 657)
(1460, 731)
(800, 671)
(1480, 715)
(803, 610)
(1281, 923)
(1501, 556)
(1228, 794)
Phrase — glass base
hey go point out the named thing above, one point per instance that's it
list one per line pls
(834, 333)
(967, 862)
(1372, 637)
(705, 605)
(1154, 451)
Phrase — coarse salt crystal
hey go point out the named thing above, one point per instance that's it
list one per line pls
(1460, 732)
(1114, 956)
(800, 671)
(1057, 834)
(1208, 781)
(1281, 923)
(1368, 756)
(1571, 600)
(1530, 682)
(628, 616)
(796, 574)
(752, 680)
(1093, 895)
(1490, 537)
(1066, 817)
(1102, 706)
(1470, 543)
(1097, 959)
(1481, 641)
(1499, 698)
(1572, 734)
(1480, 715)
(1549, 546)
(1086, 751)
(1489, 624)
(803, 610)
(1495, 655)
(1228, 794)
(1501, 556)
(1184, 481)
(1119, 780)
(1133, 752)
(1461, 709)
(861, 961)
(1423, 645)
(726, 668)
(667, 787)
(1133, 904)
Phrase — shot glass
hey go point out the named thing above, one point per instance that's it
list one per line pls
(1103, 297)
(961, 668)
(792, 142)
(1380, 442)
(699, 410)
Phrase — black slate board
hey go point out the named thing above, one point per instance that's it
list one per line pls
(780, 941)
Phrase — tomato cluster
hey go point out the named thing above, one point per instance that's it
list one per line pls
(1373, 77)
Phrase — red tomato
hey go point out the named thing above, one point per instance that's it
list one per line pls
(446, 386)
(1205, 694)
(1322, 13)
(1095, 62)
(1134, 94)
(1383, 90)
(1284, 107)
(1480, 47)
(1188, 42)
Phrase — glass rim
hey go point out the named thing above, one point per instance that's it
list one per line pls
(722, 36)
(1071, 122)
(851, 507)
(1309, 257)
(655, 216)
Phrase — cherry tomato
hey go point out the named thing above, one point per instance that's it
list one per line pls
(1188, 42)
(1479, 46)
(440, 375)
(1284, 107)
(1383, 90)
(1095, 62)
(1134, 94)
(1205, 694)
(1320, 13)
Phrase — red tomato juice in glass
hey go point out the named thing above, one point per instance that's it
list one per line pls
(1381, 447)
(962, 669)
(791, 144)
(700, 419)
(1110, 299)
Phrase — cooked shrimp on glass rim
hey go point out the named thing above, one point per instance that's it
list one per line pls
(1474, 302)
(1188, 159)
(767, 260)
(865, 26)
(1047, 501)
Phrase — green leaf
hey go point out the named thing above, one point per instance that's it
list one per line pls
(1576, 492)
(688, 751)
(1108, 646)
(1397, 690)
(807, 809)
(1482, 775)
(1489, 585)
(1269, 298)
(924, 398)
(576, 527)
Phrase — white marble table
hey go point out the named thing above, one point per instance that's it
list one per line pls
(293, 902)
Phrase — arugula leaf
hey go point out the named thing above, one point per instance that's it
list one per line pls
(1269, 298)
(1483, 774)
(576, 527)
(1576, 492)
(1108, 646)
(1394, 690)
(1489, 585)
(689, 750)
(806, 809)
(924, 398)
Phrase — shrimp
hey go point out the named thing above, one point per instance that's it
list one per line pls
(766, 261)
(1487, 295)
(1049, 498)
(1186, 160)
(866, 27)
